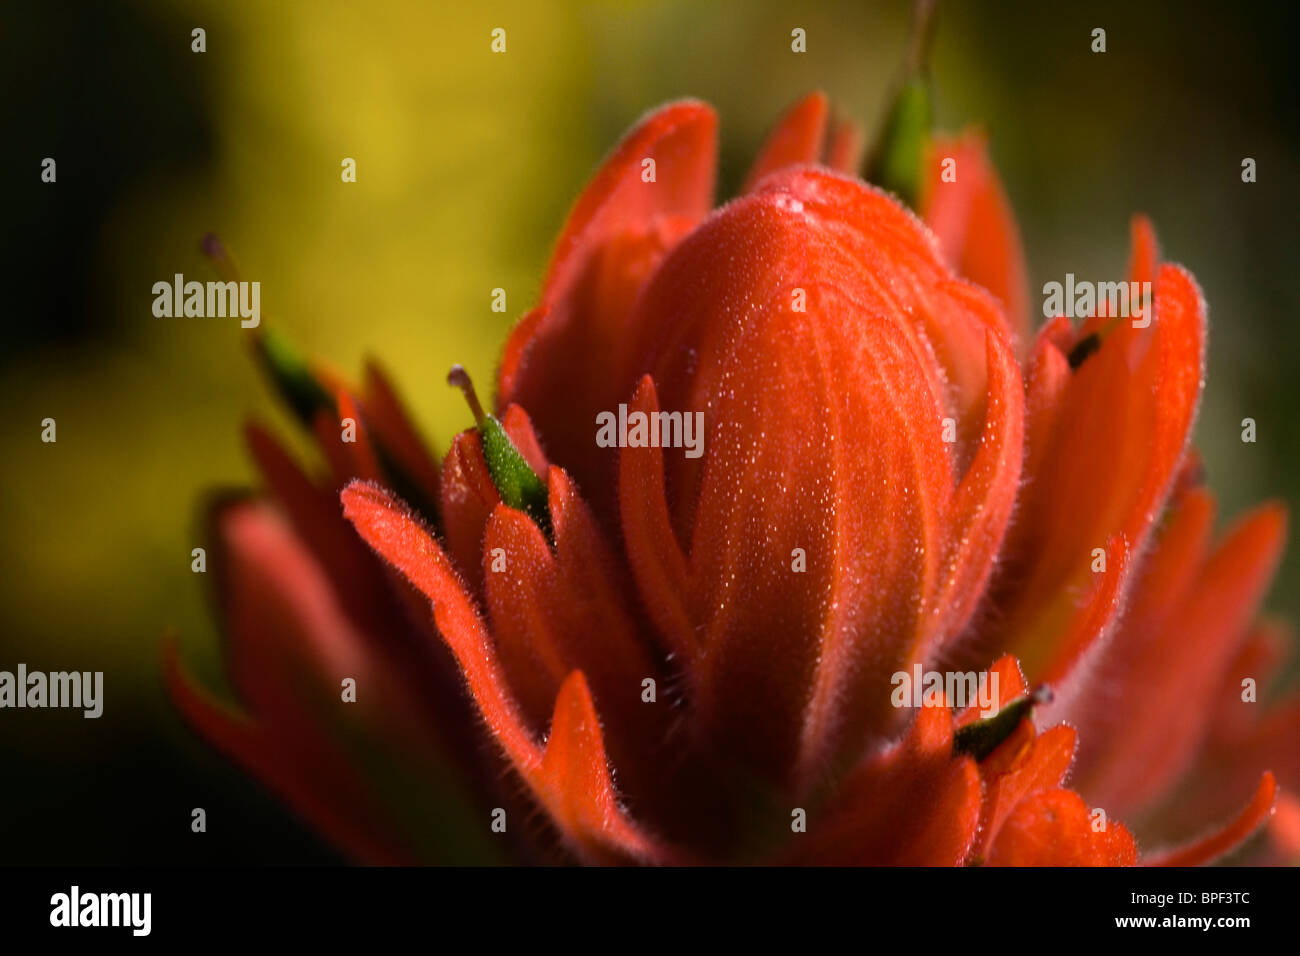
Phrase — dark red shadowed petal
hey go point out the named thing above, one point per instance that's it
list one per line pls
(1263, 653)
(1273, 739)
(289, 646)
(1135, 664)
(1055, 828)
(326, 428)
(1244, 737)
(1222, 841)
(573, 785)
(975, 224)
(364, 463)
(288, 642)
(396, 433)
(914, 804)
(314, 513)
(1185, 632)
(797, 139)
(317, 784)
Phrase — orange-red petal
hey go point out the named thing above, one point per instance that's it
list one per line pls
(1056, 828)
(1040, 765)
(797, 138)
(1136, 397)
(573, 783)
(658, 564)
(975, 224)
(1216, 844)
(913, 804)
(564, 362)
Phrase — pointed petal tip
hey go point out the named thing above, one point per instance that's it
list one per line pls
(797, 138)
(1228, 837)
(575, 784)
(360, 496)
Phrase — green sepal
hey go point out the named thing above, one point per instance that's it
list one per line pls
(292, 376)
(896, 164)
(516, 482)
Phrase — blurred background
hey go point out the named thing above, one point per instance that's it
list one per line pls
(466, 164)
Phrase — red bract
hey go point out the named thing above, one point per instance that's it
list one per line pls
(691, 658)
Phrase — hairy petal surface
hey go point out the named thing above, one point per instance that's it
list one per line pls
(568, 775)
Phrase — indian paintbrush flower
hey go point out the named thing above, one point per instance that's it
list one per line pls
(678, 656)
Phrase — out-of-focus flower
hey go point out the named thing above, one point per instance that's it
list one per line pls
(691, 659)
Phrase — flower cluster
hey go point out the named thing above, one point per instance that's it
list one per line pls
(689, 659)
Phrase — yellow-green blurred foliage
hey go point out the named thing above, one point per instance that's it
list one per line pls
(467, 162)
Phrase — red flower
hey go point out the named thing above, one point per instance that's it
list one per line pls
(692, 659)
